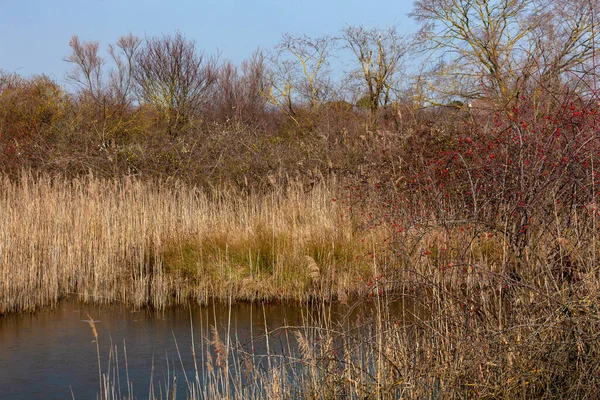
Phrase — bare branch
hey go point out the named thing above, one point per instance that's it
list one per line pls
(379, 55)
(172, 76)
(88, 65)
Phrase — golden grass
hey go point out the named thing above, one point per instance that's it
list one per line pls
(451, 310)
(159, 243)
(455, 311)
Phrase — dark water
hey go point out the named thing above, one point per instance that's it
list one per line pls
(52, 354)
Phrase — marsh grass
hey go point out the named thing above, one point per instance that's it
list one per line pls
(453, 308)
(161, 243)
(447, 344)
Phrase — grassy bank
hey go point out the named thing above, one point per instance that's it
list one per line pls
(460, 308)
(160, 243)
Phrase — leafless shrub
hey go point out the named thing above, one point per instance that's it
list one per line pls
(174, 78)
(379, 54)
(238, 93)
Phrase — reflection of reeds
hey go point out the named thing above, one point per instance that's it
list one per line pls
(92, 324)
(305, 347)
(219, 347)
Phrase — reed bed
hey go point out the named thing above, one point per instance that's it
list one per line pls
(162, 243)
(408, 345)
(453, 309)
(449, 317)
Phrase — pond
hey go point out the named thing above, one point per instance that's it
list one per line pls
(52, 354)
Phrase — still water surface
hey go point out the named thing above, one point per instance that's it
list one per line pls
(52, 354)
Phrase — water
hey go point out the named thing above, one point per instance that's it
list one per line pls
(52, 354)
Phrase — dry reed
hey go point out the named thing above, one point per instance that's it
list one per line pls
(162, 243)
(446, 318)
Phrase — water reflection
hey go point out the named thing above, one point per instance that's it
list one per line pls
(52, 354)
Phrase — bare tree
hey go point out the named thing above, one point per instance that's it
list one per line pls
(379, 54)
(121, 79)
(174, 78)
(493, 48)
(282, 89)
(104, 97)
(87, 73)
(255, 81)
(239, 91)
(299, 72)
(564, 41)
(311, 55)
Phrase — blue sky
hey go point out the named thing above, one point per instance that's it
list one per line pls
(34, 34)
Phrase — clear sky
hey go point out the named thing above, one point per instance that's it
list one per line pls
(34, 34)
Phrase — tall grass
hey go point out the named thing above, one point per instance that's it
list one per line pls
(442, 319)
(434, 342)
(161, 243)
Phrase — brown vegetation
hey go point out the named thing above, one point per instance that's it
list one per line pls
(281, 187)
(160, 244)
